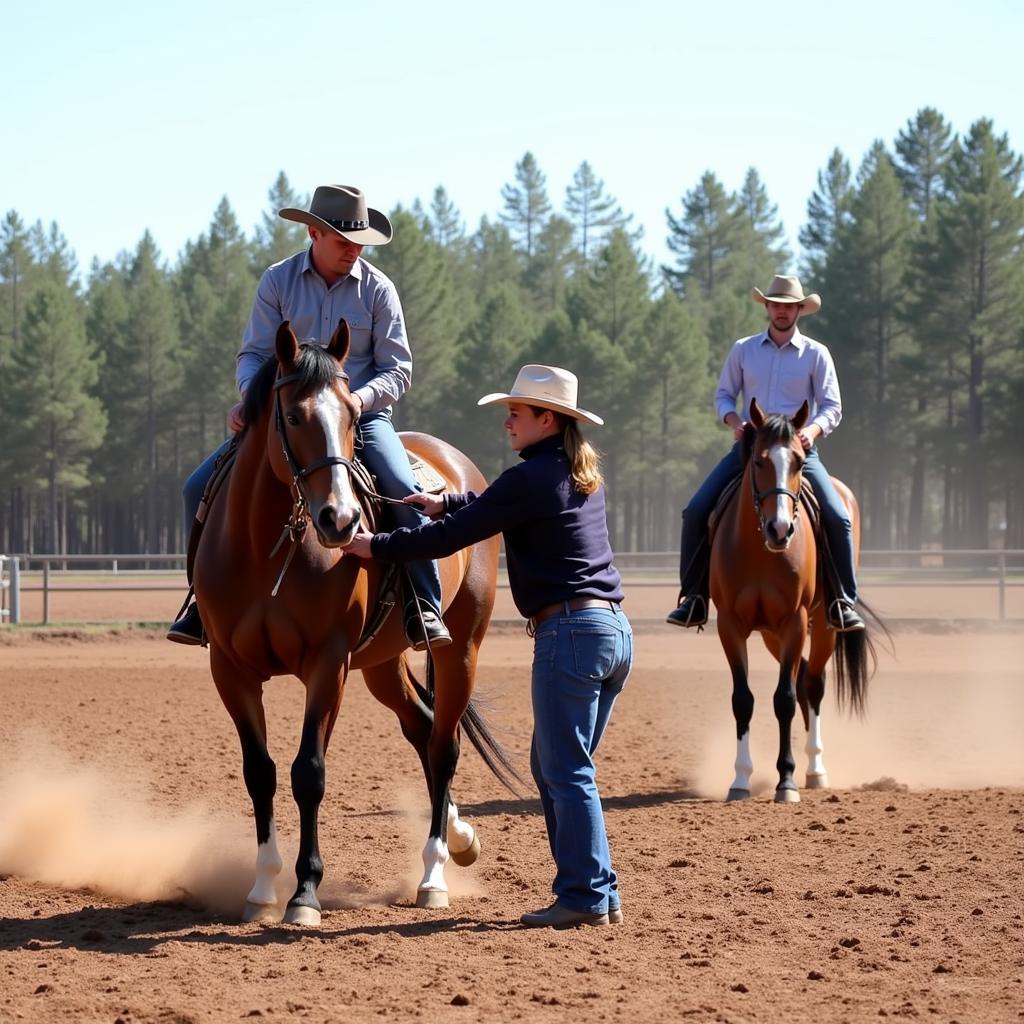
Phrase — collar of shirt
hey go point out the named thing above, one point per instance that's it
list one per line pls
(547, 444)
(308, 268)
(797, 341)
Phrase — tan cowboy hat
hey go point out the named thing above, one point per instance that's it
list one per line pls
(788, 289)
(549, 387)
(343, 210)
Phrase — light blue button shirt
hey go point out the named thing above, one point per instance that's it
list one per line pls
(781, 379)
(379, 362)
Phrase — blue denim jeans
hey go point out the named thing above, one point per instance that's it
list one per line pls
(695, 556)
(382, 451)
(581, 662)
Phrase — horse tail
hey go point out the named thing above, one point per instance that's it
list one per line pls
(493, 754)
(856, 661)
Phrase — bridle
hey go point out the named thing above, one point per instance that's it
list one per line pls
(298, 520)
(759, 496)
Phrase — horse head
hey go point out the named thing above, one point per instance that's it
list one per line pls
(776, 457)
(311, 436)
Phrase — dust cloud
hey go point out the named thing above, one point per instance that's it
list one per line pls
(65, 825)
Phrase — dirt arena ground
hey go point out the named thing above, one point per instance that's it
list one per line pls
(126, 849)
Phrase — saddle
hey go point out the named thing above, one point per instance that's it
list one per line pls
(428, 478)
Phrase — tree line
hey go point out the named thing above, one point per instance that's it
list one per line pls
(115, 383)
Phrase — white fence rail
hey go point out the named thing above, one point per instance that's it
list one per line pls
(109, 573)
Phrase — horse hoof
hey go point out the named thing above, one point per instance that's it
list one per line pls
(307, 917)
(431, 899)
(817, 781)
(468, 856)
(787, 796)
(261, 912)
(737, 794)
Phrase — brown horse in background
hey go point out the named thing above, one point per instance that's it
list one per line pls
(764, 577)
(294, 465)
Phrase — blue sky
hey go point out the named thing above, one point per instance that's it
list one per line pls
(120, 118)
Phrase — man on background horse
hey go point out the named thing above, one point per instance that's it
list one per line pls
(782, 369)
(314, 289)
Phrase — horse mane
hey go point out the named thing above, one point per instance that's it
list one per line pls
(315, 368)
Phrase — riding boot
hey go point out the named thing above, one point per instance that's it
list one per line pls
(692, 610)
(424, 627)
(840, 613)
(188, 629)
(692, 605)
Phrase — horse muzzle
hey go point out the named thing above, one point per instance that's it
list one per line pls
(335, 528)
(777, 533)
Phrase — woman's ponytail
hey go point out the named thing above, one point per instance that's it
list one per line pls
(583, 458)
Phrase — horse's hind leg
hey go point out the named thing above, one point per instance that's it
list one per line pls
(242, 696)
(393, 684)
(822, 645)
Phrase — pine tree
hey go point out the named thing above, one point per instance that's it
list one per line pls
(527, 206)
(489, 352)
(276, 238)
(418, 269)
(828, 211)
(548, 274)
(591, 210)
(864, 322)
(704, 239)
(216, 285)
(923, 149)
(54, 414)
(761, 247)
(670, 388)
(970, 273)
(613, 296)
(495, 261)
(446, 227)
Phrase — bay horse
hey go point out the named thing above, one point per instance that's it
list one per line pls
(764, 577)
(294, 465)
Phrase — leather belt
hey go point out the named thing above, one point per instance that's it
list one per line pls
(574, 604)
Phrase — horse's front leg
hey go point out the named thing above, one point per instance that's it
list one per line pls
(324, 690)
(734, 643)
(242, 695)
(784, 699)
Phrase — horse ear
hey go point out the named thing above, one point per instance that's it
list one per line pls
(800, 419)
(287, 345)
(756, 414)
(340, 341)
(747, 442)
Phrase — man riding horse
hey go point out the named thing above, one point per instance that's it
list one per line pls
(782, 369)
(314, 289)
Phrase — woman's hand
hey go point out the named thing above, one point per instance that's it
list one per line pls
(431, 505)
(359, 545)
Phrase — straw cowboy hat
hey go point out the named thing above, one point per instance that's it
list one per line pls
(343, 210)
(549, 387)
(788, 289)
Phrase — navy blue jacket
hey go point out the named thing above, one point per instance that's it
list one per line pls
(556, 539)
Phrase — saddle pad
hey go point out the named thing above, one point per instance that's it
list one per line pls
(426, 476)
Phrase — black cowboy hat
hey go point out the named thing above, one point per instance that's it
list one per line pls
(343, 210)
